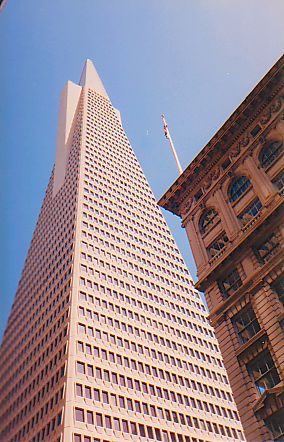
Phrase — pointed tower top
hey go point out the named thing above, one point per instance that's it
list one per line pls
(91, 79)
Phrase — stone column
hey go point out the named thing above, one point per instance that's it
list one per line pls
(227, 215)
(196, 244)
(260, 181)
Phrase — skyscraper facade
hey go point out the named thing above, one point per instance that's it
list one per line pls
(230, 199)
(107, 339)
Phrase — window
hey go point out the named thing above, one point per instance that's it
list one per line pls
(263, 371)
(209, 219)
(266, 249)
(81, 367)
(108, 421)
(230, 284)
(88, 392)
(90, 417)
(278, 288)
(246, 324)
(79, 390)
(250, 212)
(125, 428)
(278, 181)
(99, 420)
(79, 414)
(275, 423)
(217, 245)
(238, 187)
(270, 152)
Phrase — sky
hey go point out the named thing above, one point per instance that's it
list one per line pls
(194, 60)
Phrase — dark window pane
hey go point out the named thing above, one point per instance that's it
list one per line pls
(230, 284)
(250, 212)
(275, 423)
(270, 153)
(79, 415)
(263, 371)
(246, 324)
(90, 417)
(238, 187)
(208, 220)
(218, 245)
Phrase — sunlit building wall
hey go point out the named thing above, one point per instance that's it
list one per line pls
(107, 339)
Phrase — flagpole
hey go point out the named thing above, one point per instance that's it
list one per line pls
(168, 136)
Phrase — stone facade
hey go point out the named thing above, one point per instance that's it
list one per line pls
(230, 201)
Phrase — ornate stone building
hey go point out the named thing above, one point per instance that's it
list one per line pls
(230, 201)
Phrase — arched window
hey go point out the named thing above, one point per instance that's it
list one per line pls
(270, 152)
(207, 220)
(238, 187)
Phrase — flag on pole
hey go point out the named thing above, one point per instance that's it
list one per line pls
(166, 132)
(168, 136)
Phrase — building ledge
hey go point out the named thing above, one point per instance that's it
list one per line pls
(247, 345)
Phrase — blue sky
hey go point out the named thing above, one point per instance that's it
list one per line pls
(194, 60)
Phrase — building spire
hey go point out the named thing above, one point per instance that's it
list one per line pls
(168, 136)
(90, 78)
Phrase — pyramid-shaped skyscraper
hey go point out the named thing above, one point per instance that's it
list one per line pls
(107, 339)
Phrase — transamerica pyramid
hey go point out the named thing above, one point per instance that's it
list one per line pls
(107, 339)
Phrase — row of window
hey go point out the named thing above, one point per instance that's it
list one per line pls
(105, 264)
(24, 409)
(52, 307)
(132, 404)
(152, 433)
(140, 386)
(157, 314)
(13, 421)
(160, 373)
(150, 337)
(153, 323)
(106, 186)
(97, 168)
(244, 218)
(102, 290)
(128, 259)
(152, 351)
